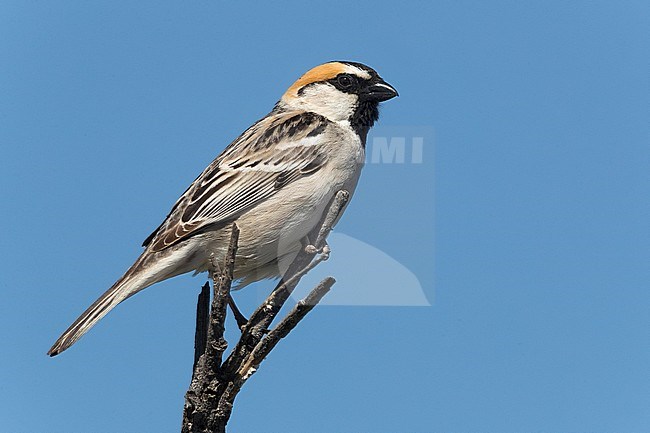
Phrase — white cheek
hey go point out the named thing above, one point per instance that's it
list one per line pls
(327, 101)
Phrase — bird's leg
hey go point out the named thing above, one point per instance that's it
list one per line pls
(330, 218)
(239, 317)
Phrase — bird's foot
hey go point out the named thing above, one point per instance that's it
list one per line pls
(323, 251)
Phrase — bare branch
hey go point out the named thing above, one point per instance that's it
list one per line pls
(252, 362)
(222, 281)
(202, 396)
(202, 317)
(214, 386)
(285, 326)
(261, 319)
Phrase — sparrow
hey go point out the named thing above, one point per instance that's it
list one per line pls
(275, 181)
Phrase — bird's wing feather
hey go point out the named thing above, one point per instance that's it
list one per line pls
(272, 153)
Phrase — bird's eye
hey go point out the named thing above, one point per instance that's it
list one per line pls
(346, 81)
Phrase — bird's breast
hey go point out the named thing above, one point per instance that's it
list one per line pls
(276, 226)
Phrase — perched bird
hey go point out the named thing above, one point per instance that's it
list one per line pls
(275, 181)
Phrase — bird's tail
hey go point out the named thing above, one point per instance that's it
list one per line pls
(130, 283)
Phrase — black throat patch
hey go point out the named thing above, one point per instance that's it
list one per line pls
(365, 115)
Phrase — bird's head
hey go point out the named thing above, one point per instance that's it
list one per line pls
(340, 91)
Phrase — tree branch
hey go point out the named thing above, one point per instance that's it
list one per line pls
(252, 362)
(202, 394)
(215, 384)
(202, 318)
(216, 344)
(285, 326)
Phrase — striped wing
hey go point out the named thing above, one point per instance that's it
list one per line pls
(272, 153)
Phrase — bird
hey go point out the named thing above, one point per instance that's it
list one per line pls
(275, 181)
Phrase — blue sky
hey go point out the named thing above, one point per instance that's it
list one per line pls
(525, 225)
